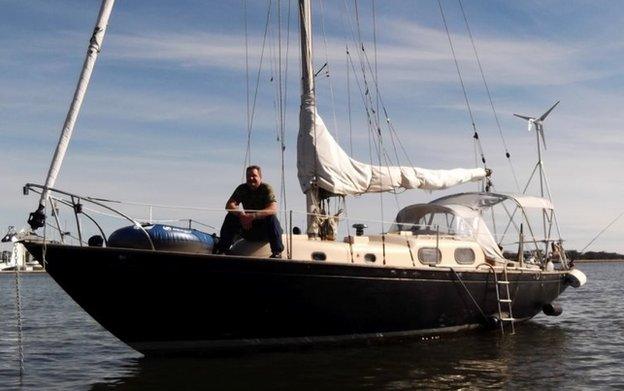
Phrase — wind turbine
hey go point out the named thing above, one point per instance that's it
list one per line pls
(538, 123)
(550, 217)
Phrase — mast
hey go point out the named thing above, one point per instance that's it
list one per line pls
(323, 164)
(307, 73)
(308, 99)
(37, 218)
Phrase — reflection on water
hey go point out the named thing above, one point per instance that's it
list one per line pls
(581, 349)
(476, 360)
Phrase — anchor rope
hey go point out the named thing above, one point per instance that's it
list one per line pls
(469, 294)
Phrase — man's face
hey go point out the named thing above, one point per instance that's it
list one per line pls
(254, 179)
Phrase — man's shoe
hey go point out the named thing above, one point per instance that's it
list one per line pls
(276, 255)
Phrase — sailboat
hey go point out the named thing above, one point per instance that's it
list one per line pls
(437, 270)
(18, 258)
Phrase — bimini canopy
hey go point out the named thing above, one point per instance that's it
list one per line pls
(481, 201)
(451, 219)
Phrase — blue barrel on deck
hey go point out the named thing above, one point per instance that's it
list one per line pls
(164, 237)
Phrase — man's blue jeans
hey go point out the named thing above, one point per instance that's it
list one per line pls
(262, 230)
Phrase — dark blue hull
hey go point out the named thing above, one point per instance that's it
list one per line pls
(168, 302)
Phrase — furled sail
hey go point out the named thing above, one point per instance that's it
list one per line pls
(323, 163)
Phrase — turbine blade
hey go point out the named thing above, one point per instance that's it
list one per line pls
(543, 117)
(524, 117)
(543, 138)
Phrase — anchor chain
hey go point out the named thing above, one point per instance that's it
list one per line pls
(18, 308)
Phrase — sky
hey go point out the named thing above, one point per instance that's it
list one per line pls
(164, 121)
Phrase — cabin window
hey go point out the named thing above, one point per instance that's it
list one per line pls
(429, 255)
(319, 256)
(370, 257)
(464, 256)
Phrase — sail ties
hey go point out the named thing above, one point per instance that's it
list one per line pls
(94, 43)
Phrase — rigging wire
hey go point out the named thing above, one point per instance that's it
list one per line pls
(247, 111)
(364, 64)
(379, 100)
(380, 139)
(393, 132)
(284, 103)
(477, 141)
(366, 93)
(602, 231)
(328, 75)
(276, 92)
(376, 73)
(363, 85)
(365, 60)
(374, 131)
(327, 71)
(487, 89)
(349, 101)
(247, 161)
(373, 106)
(371, 120)
(280, 61)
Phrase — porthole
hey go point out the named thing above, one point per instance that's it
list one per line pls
(370, 257)
(319, 256)
(464, 256)
(429, 255)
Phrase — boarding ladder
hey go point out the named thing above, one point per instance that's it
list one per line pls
(506, 300)
(503, 283)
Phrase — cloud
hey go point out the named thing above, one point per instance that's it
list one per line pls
(164, 119)
(409, 52)
(190, 49)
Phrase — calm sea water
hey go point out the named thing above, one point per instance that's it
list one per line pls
(65, 349)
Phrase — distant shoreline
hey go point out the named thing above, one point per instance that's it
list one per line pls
(597, 260)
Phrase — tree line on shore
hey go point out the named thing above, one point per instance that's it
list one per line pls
(592, 255)
(574, 255)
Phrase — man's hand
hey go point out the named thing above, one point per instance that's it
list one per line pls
(246, 219)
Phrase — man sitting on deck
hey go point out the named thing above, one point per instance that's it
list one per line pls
(257, 220)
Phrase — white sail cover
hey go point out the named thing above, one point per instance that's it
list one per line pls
(321, 161)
